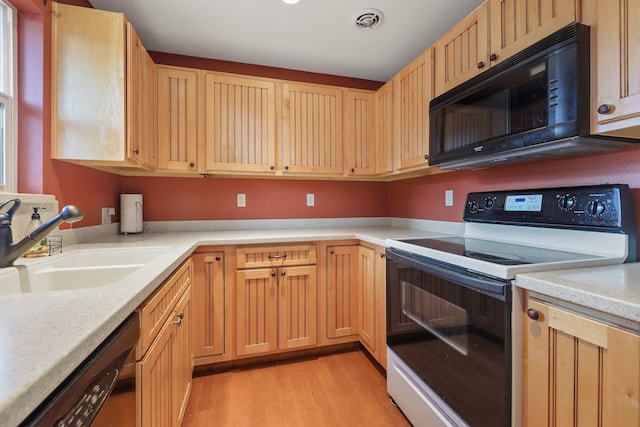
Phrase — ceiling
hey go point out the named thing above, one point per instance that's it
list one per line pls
(314, 35)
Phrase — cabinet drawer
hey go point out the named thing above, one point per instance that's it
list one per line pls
(275, 256)
(158, 307)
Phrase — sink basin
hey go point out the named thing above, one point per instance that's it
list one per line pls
(88, 268)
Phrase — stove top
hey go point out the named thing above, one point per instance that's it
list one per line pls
(520, 231)
(497, 252)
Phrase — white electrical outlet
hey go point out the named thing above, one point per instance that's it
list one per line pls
(242, 200)
(311, 200)
(448, 197)
(106, 215)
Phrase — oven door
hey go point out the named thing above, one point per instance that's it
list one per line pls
(452, 330)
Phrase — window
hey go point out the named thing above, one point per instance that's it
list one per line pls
(8, 116)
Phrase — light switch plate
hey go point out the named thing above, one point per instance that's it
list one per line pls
(448, 197)
(106, 216)
(242, 200)
(311, 200)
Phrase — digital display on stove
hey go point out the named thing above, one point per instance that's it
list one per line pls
(523, 203)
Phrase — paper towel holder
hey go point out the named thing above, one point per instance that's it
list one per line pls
(131, 214)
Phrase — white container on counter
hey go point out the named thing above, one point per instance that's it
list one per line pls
(131, 213)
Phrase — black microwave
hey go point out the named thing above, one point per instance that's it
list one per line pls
(532, 106)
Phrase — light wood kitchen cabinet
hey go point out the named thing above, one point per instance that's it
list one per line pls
(412, 92)
(578, 371)
(617, 106)
(240, 124)
(276, 298)
(178, 119)
(312, 129)
(164, 358)
(462, 53)
(150, 97)
(338, 296)
(384, 129)
(99, 87)
(212, 301)
(494, 31)
(360, 133)
(372, 303)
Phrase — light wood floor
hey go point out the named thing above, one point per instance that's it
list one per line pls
(342, 389)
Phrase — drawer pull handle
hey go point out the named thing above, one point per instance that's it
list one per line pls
(180, 316)
(277, 256)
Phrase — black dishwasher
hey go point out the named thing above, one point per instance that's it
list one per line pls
(80, 397)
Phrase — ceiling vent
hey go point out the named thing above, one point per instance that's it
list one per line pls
(368, 19)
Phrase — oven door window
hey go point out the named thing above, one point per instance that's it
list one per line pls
(454, 338)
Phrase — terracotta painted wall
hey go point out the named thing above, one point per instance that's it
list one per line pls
(170, 199)
(423, 198)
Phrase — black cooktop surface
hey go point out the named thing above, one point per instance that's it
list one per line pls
(497, 252)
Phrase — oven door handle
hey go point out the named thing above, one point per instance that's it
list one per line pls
(492, 287)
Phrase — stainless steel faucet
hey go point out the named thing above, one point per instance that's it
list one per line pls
(10, 252)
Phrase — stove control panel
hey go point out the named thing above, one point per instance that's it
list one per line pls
(599, 208)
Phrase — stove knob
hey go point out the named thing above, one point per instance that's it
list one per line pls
(473, 207)
(596, 208)
(488, 203)
(567, 202)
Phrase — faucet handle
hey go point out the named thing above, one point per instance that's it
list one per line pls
(5, 218)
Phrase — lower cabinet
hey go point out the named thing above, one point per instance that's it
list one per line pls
(275, 305)
(578, 371)
(164, 359)
(371, 297)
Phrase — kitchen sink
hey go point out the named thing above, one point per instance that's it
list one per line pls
(82, 269)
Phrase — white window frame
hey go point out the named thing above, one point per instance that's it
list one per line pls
(8, 97)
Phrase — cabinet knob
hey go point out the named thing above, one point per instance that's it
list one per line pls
(272, 167)
(273, 274)
(192, 165)
(493, 57)
(426, 157)
(331, 251)
(533, 314)
(136, 151)
(283, 273)
(382, 255)
(218, 258)
(353, 170)
(605, 109)
(481, 64)
(286, 168)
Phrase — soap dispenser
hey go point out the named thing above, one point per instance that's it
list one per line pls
(35, 220)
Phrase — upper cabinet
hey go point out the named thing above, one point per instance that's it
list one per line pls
(311, 129)
(496, 30)
(99, 81)
(617, 106)
(412, 92)
(240, 121)
(462, 52)
(384, 129)
(360, 133)
(178, 119)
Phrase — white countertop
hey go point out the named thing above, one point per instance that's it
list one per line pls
(44, 336)
(612, 289)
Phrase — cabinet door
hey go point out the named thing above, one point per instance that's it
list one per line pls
(312, 129)
(462, 52)
(360, 133)
(256, 311)
(367, 297)
(135, 96)
(618, 67)
(182, 357)
(384, 129)
(577, 371)
(516, 24)
(88, 84)
(381, 304)
(341, 291)
(412, 93)
(177, 119)
(297, 301)
(240, 124)
(209, 304)
(154, 378)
